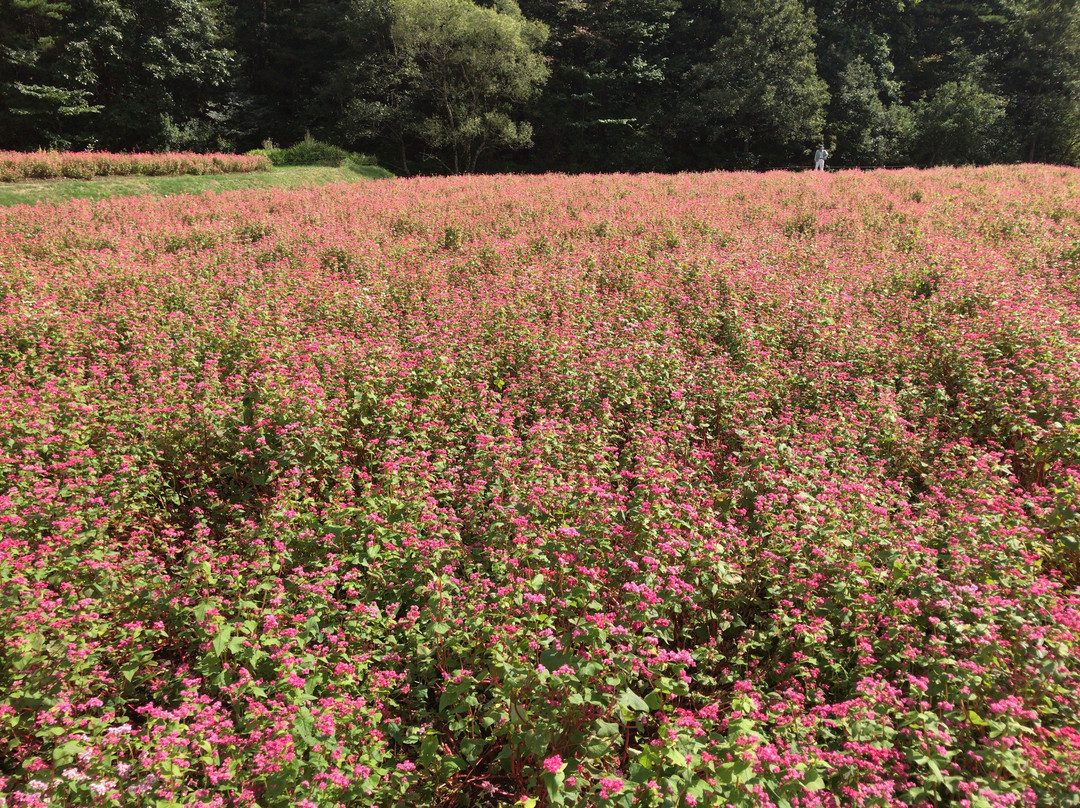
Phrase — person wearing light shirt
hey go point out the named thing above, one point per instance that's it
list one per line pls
(820, 156)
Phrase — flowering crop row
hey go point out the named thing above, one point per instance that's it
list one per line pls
(750, 490)
(87, 165)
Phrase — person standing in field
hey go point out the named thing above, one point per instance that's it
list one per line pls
(820, 156)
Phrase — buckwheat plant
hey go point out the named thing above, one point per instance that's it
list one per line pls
(716, 490)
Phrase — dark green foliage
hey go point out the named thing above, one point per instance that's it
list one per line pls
(1042, 71)
(868, 132)
(160, 69)
(757, 88)
(961, 123)
(291, 59)
(613, 85)
(139, 75)
(311, 152)
(612, 71)
(466, 69)
(37, 100)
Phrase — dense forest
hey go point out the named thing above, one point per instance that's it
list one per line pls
(567, 85)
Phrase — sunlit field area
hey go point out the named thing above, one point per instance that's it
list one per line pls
(32, 192)
(707, 489)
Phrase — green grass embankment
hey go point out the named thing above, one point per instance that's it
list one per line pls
(30, 192)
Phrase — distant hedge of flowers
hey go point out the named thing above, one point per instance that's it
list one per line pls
(87, 165)
(727, 490)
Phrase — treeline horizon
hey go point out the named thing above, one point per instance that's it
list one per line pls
(539, 85)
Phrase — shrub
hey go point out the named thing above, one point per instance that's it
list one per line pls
(311, 152)
(76, 169)
(87, 165)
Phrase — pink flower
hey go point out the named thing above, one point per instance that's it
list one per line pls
(102, 786)
(609, 786)
(553, 764)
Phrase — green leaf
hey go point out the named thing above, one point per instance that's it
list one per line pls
(605, 729)
(471, 749)
(554, 785)
(449, 698)
(451, 765)
(633, 701)
(676, 757)
(812, 780)
(67, 750)
(429, 749)
(518, 714)
(737, 771)
(222, 640)
(937, 776)
(590, 669)
(597, 749)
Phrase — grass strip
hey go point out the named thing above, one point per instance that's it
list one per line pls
(31, 192)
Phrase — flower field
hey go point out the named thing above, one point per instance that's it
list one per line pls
(44, 165)
(748, 490)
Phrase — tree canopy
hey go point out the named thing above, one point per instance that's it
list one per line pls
(574, 85)
(757, 89)
(466, 67)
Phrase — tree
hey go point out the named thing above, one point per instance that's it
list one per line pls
(868, 131)
(854, 29)
(960, 122)
(613, 63)
(1041, 75)
(38, 97)
(945, 38)
(162, 70)
(380, 112)
(464, 68)
(758, 92)
(297, 66)
(138, 74)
